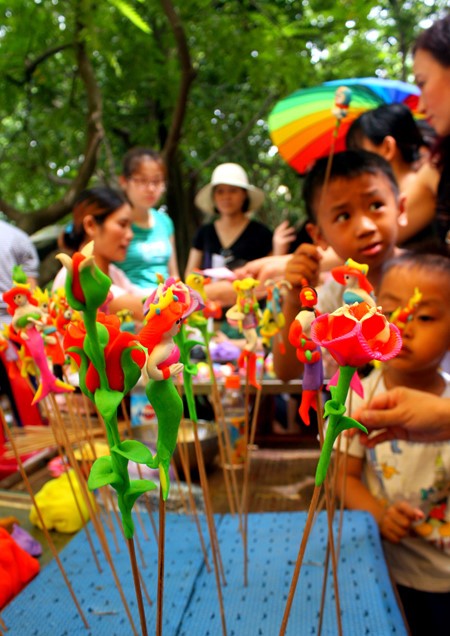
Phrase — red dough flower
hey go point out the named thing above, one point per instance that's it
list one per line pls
(357, 334)
(116, 342)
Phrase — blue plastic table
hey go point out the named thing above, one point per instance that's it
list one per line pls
(191, 607)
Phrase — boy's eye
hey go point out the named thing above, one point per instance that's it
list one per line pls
(376, 205)
(341, 217)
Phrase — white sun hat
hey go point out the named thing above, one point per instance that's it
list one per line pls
(228, 174)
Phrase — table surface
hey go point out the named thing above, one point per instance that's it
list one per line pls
(270, 386)
(368, 603)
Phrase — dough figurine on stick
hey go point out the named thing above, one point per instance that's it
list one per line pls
(307, 351)
(272, 320)
(166, 309)
(27, 328)
(246, 315)
(110, 363)
(354, 335)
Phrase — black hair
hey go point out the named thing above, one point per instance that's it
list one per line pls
(394, 120)
(432, 263)
(134, 157)
(428, 133)
(436, 41)
(347, 165)
(100, 202)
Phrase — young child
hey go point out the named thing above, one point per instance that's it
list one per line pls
(358, 214)
(152, 249)
(406, 485)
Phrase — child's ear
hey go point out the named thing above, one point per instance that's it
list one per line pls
(316, 235)
(388, 148)
(402, 218)
(123, 182)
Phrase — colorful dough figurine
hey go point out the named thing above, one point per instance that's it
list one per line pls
(307, 351)
(246, 315)
(342, 99)
(110, 362)
(27, 326)
(353, 276)
(272, 321)
(354, 335)
(166, 308)
(402, 315)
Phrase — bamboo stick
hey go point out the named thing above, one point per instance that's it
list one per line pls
(42, 522)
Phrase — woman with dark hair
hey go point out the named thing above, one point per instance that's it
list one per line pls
(103, 215)
(232, 238)
(390, 131)
(432, 71)
(428, 196)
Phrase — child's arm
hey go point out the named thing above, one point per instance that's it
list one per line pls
(304, 265)
(393, 521)
(355, 494)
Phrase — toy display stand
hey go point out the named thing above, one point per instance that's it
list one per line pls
(368, 601)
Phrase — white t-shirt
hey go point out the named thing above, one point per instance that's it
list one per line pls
(420, 474)
(121, 284)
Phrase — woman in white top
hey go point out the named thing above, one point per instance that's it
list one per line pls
(103, 215)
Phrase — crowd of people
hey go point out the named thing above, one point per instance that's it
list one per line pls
(381, 202)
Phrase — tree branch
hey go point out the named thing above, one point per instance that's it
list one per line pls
(94, 135)
(242, 133)
(187, 77)
(31, 66)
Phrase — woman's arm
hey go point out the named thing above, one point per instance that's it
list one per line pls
(420, 201)
(222, 292)
(173, 260)
(408, 414)
(128, 301)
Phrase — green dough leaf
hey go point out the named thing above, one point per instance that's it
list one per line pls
(134, 451)
(137, 488)
(102, 474)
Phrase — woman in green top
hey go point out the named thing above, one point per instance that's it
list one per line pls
(151, 253)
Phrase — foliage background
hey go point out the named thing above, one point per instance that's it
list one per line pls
(81, 81)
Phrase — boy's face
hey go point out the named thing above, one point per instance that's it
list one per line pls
(426, 336)
(358, 217)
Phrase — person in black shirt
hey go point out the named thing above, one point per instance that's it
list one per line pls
(233, 238)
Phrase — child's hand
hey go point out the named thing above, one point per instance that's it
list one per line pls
(305, 263)
(397, 520)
